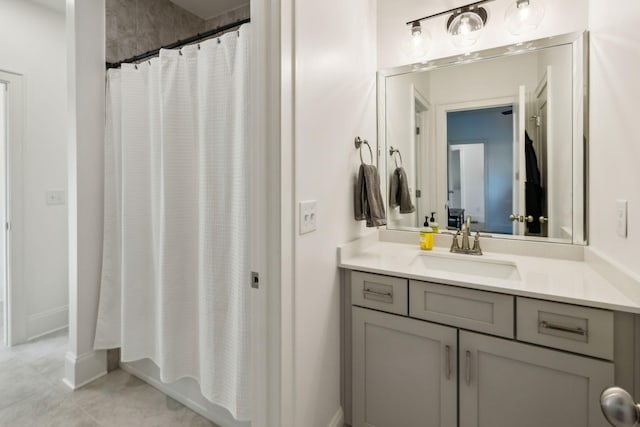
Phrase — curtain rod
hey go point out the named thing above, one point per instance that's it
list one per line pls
(179, 43)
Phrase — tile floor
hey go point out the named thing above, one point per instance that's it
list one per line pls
(32, 393)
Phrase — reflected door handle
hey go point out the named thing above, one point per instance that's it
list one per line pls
(543, 219)
(519, 218)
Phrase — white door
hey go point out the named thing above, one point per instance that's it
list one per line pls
(543, 110)
(404, 372)
(467, 178)
(519, 170)
(505, 383)
(3, 184)
(12, 214)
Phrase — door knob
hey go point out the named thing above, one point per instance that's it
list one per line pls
(529, 218)
(543, 219)
(513, 217)
(619, 408)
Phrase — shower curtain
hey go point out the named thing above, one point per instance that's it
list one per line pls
(175, 279)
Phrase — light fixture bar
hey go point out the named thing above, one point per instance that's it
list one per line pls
(457, 9)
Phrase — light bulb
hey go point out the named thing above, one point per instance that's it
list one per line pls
(419, 43)
(524, 16)
(466, 28)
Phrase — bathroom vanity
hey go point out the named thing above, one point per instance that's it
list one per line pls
(500, 340)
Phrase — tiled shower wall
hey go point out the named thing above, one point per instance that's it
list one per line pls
(137, 26)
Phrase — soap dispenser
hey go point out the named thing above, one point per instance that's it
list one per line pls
(432, 223)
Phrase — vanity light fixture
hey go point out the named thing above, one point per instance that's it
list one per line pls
(524, 16)
(464, 26)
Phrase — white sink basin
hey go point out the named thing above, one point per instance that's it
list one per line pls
(469, 265)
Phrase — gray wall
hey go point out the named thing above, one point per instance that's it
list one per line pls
(137, 26)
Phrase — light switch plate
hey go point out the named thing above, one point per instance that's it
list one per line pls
(621, 218)
(308, 216)
(55, 197)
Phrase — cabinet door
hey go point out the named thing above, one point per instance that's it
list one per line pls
(506, 383)
(404, 371)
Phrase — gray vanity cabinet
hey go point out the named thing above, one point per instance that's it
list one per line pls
(404, 371)
(432, 355)
(506, 383)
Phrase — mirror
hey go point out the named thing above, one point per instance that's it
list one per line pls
(498, 136)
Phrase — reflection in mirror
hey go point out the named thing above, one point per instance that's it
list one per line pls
(491, 139)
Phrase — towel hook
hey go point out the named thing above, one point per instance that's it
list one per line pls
(358, 142)
(393, 151)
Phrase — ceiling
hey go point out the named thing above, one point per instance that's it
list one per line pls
(57, 5)
(207, 9)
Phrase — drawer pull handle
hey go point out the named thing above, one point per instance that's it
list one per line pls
(577, 331)
(447, 352)
(468, 368)
(384, 295)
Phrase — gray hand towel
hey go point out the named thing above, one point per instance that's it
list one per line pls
(368, 204)
(399, 192)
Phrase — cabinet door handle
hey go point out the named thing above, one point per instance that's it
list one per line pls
(388, 296)
(468, 368)
(577, 331)
(447, 352)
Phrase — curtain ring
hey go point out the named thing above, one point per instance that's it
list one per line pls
(136, 66)
(198, 46)
(180, 52)
(219, 40)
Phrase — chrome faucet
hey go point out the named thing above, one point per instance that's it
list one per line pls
(465, 231)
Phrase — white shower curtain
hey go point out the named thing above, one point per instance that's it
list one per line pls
(175, 280)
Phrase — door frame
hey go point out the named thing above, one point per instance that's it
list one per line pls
(422, 149)
(15, 298)
(441, 142)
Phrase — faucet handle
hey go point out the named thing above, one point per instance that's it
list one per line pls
(454, 242)
(476, 244)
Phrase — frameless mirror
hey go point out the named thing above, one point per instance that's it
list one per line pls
(498, 136)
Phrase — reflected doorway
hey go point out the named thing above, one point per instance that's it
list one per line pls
(480, 164)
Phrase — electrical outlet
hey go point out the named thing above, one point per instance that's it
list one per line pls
(308, 216)
(55, 197)
(621, 218)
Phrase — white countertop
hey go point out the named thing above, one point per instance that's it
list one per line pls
(561, 280)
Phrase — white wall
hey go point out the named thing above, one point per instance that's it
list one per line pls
(334, 101)
(32, 43)
(563, 16)
(614, 145)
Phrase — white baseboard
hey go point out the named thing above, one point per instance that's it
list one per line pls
(49, 321)
(81, 370)
(338, 419)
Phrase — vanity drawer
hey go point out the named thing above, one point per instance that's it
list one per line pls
(383, 293)
(471, 309)
(567, 327)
